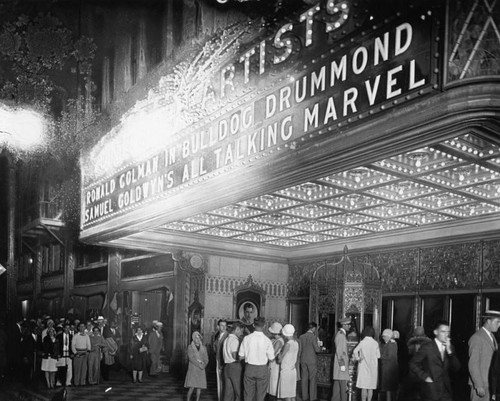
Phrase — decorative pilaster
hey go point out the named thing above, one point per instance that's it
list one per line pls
(180, 318)
(114, 273)
(69, 275)
(12, 307)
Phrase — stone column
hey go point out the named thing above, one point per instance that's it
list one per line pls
(12, 304)
(69, 275)
(180, 326)
(37, 278)
(114, 273)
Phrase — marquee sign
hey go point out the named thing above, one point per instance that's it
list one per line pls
(302, 87)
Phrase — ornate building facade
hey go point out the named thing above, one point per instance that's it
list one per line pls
(244, 156)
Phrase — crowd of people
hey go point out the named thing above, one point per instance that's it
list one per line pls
(257, 362)
(253, 363)
(64, 352)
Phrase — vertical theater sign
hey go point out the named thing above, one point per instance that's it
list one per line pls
(245, 105)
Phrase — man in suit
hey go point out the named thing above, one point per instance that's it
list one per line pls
(14, 350)
(155, 339)
(482, 357)
(341, 362)
(31, 352)
(432, 365)
(218, 340)
(309, 346)
(105, 332)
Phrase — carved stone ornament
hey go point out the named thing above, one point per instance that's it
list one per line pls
(191, 263)
(250, 285)
(177, 100)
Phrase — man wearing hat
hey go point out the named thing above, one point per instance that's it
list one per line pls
(105, 333)
(483, 350)
(309, 346)
(341, 362)
(257, 350)
(155, 340)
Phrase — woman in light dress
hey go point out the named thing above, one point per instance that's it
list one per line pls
(287, 383)
(196, 377)
(367, 353)
(274, 367)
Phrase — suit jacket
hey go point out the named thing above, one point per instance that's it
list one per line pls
(481, 354)
(106, 331)
(31, 346)
(217, 347)
(155, 342)
(308, 348)
(427, 362)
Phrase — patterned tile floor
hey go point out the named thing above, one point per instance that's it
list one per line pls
(164, 387)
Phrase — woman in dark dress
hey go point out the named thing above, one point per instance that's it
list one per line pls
(139, 354)
(389, 371)
(51, 351)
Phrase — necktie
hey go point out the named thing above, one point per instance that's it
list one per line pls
(495, 345)
(443, 350)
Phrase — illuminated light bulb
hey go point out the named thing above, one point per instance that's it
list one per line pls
(461, 177)
(418, 163)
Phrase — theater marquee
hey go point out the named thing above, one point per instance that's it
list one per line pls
(323, 90)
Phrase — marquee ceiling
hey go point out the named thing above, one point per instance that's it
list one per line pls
(453, 180)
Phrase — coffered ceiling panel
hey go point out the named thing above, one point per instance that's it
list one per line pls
(453, 180)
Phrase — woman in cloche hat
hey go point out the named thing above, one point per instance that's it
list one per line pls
(198, 360)
(287, 359)
(274, 370)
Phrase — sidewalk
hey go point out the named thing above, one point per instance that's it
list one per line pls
(118, 388)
